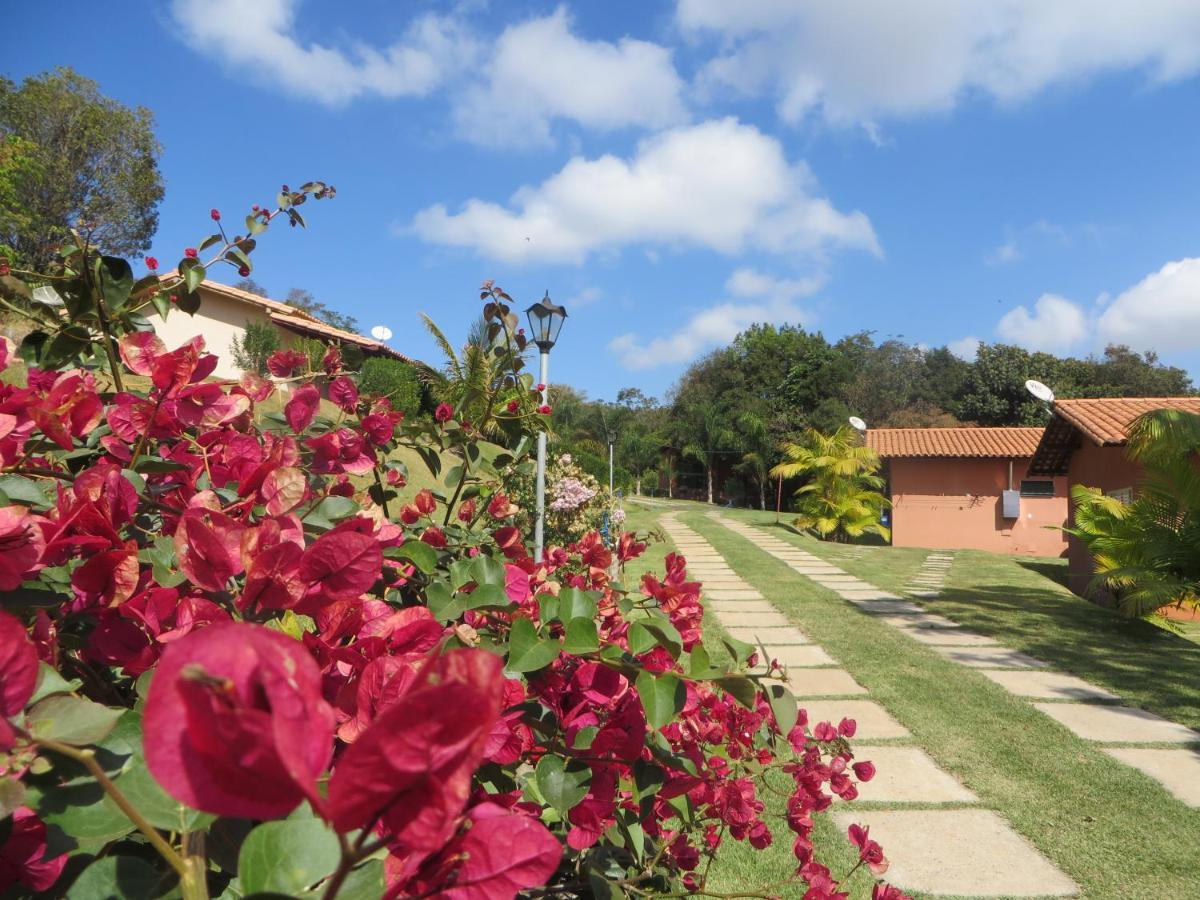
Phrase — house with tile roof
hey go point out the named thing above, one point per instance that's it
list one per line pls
(225, 311)
(970, 488)
(1084, 442)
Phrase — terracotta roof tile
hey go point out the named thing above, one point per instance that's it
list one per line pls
(321, 329)
(1107, 420)
(978, 442)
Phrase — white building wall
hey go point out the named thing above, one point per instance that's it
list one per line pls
(219, 321)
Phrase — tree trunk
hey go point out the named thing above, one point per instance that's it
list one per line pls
(637, 485)
(708, 472)
(762, 494)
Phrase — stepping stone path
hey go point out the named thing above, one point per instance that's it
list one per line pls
(931, 577)
(1072, 702)
(958, 849)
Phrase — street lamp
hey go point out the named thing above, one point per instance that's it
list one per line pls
(545, 322)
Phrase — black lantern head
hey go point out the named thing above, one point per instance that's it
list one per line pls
(545, 322)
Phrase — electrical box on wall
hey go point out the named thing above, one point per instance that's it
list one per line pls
(1011, 503)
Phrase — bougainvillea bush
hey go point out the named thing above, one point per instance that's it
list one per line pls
(235, 662)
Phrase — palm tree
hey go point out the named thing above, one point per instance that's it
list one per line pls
(706, 432)
(756, 461)
(841, 499)
(474, 378)
(1147, 552)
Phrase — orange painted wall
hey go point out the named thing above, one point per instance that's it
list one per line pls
(931, 507)
(1101, 467)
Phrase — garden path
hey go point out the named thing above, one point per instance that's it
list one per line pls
(1138, 738)
(958, 847)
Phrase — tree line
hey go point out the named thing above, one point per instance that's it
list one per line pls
(718, 432)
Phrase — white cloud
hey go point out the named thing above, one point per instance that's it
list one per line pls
(752, 283)
(712, 327)
(1161, 312)
(1054, 325)
(857, 61)
(538, 71)
(966, 348)
(586, 297)
(259, 38)
(719, 185)
(1005, 253)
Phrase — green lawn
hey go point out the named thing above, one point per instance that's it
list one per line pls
(1116, 832)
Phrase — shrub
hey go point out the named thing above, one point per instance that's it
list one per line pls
(250, 351)
(349, 696)
(394, 379)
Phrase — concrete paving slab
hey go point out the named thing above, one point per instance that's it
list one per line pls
(885, 606)
(1117, 724)
(873, 721)
(991, 658)
(1047, 685)
(872, 594)
(962, 852)
(929, 595)
(1176, 770)
(755, 620)
(920, 620)
(823, 683)
(747, 593)
(840, 579)
(740, 606)
(800, 657)
(950, 637)
(907, 775)
(771, 635)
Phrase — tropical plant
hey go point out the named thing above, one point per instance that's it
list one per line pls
(759, 451)
(71, 158)
(1146, 552)
(704, 431)
(840, 499)
(393, 379)
(255, 345)
(234, 661)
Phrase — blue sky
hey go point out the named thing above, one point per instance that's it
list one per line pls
(1004, 170)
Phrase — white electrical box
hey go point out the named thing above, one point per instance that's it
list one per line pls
(1011, 503)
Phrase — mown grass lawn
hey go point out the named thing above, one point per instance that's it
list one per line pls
(1116, 832)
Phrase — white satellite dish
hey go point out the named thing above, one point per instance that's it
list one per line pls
(381, 333)
(858, 424)
(1040, 391)
(48, 295)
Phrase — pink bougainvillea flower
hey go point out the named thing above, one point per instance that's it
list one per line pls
(152, 263)
(500, 507)
(412, 767)
(190, 252)
(869, 851)
(286, 363)
(18, 673)
(235, 723)
(847, 728)
(23, 856)
(864, 771)
(208, 545)
(108, 578)
(444, 412)
(340, 565)
(21, 546)
(343, 393)
(301, 409)
(434, 537)
(341, 451)
(516, 583)
(887, 892)
(425, 502)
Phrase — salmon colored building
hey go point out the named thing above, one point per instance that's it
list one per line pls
(970, 488)
(1085, 442)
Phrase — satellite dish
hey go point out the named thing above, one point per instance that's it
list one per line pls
(858, 424)
(48, 295)
(381, 333)
(1040, 391)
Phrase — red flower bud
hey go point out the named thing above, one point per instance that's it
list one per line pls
(190, 253)
(244, 271)
(540, 387)
(254, 207)
(151, 263)
(216, 215)
(544, 410)
(444, 412)
(513, 406)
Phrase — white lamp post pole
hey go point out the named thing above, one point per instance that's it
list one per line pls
(540, 527)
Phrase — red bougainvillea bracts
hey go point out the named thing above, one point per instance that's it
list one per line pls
(231, 615)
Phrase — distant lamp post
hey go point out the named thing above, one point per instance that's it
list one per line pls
(545, 322)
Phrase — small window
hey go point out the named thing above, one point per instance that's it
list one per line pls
(1037, 488)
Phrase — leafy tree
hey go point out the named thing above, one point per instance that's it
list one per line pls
(759, 451)
(841, 498)
(304, 300)
(74, 158)
(250, 286)
(250, 351)
(994, 392)
(394, 379)
(1147, 552)
(640, 452)
(704, 432)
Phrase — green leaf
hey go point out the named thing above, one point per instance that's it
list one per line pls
(418, 553)
(548, 607)
(72, 720)
(439, 598)
(562, 784)
(160, 809)
(50, 682)
(26, 491)
(30, 598)
(662, 697)
(80, 809)
(121, 877)
(193, 277)
(12, 795)
(330, 510)
(286, 857)
(209, 241)
(665, 634)
(581, 637)
(648, 778)
(486, 570)
(640, 640)
(739, 650)
(367, 882)
(33, 346)
(446, 607)
(574, 603)
(65, 346)
(784, 705)
(740, 687)
(116, 281)
(526, 651)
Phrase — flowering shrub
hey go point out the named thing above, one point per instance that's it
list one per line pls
(576, 503)
(234, 657)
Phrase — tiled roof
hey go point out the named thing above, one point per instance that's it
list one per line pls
(1006, 443)
(1103, 421)
(1107, 420)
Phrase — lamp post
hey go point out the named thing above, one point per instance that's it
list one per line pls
(545, 321)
